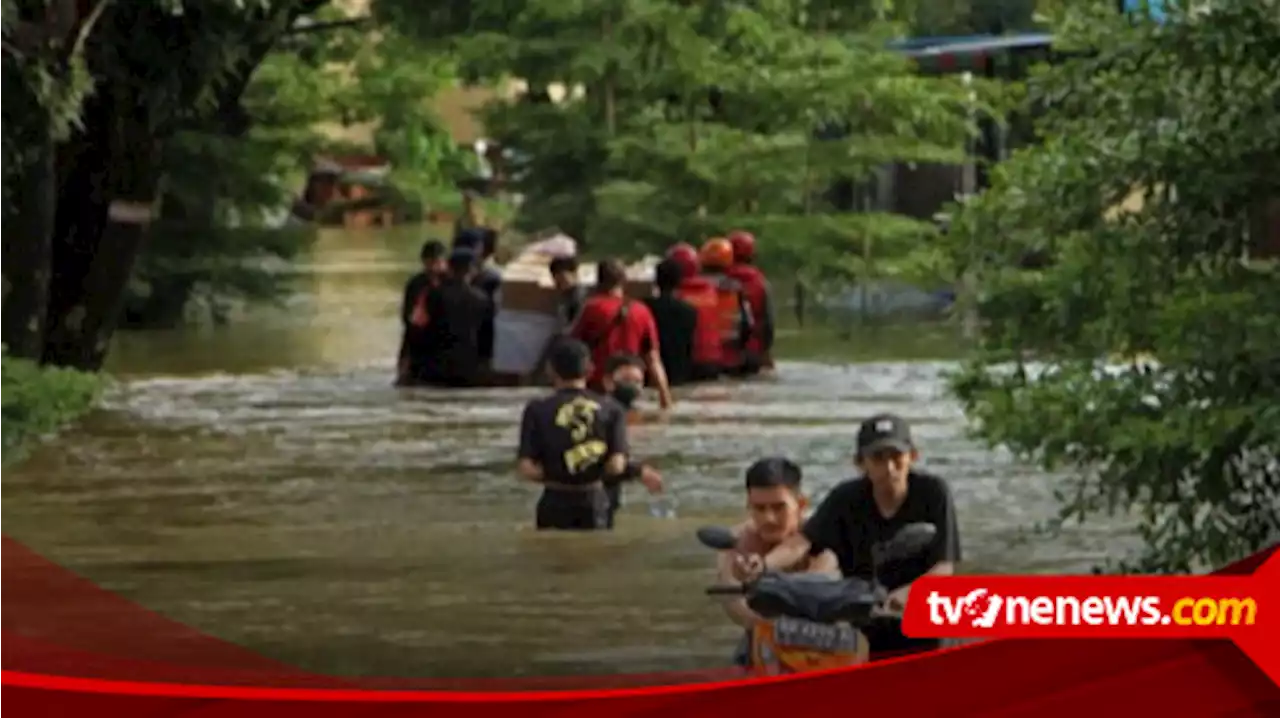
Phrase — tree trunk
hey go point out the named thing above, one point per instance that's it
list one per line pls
(27, 254)
(103, 217)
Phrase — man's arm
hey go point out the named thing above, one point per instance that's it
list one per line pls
(825, 564)
(411, 290)
(659, 372)
(944, 553)
(653, 362)
(617, 441)
(765, 329)
(735, 608)
(746, 317)
(529, 464)
(791, 551)
(820, 534)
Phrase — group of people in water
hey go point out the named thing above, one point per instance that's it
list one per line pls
(574, 445)
(710, 316)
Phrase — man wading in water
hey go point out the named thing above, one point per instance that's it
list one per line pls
(570, 443)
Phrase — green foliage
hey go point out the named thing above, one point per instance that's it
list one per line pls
(226, 194)
(1183, 114)
(640, 155)
(38, 400)
(396, 78)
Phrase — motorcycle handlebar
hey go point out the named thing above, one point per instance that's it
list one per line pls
(726, 590)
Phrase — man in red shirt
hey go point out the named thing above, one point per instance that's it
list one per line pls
(611, 324)
(755, 289)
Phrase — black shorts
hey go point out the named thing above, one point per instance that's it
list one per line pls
(574, 510)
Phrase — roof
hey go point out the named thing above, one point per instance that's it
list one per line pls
(972, 45)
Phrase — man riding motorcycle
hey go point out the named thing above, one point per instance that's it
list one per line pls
(859, 513)
(775, 510)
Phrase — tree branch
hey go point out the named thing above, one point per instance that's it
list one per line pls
(326, 26)
(85, 27)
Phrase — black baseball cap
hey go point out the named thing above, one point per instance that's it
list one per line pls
(570, 359)
(884, 431)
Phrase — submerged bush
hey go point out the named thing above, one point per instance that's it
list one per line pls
(38, 400)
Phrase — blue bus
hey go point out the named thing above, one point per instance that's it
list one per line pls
(921, 191)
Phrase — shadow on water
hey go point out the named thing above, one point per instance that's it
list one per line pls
(265, 483)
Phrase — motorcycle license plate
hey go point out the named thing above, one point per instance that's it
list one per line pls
(807, 635)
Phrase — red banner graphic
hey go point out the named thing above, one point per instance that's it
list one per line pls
(71, 648)
(1243, 609)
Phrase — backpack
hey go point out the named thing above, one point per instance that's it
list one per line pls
(619, 320)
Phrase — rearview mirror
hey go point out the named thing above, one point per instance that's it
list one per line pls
(717, 537)
(909, 541)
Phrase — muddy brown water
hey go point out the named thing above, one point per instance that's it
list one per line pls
(265, 483)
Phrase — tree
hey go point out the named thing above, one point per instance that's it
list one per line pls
(95, 104)
(676, 119)
(757, 156)
(1160, 152)
(395, 78)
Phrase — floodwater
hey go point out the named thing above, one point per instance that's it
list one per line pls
(265, 483)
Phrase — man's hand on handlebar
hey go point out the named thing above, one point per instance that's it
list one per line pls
(897, 599)
(748, 568)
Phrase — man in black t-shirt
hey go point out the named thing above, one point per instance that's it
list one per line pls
(677, 321)
(451, 354)
(413, 308)
(863, 512)
(570, 443)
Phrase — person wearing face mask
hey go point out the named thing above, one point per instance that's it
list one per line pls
(624, 382)
(868, 510)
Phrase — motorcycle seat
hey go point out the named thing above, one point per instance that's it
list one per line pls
(814, 598)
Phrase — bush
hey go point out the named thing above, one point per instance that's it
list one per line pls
(38, 400)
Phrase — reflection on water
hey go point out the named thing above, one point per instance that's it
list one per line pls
(265, 483)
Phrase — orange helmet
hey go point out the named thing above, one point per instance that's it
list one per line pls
(717, 253)
(744, 245)
(686, 257)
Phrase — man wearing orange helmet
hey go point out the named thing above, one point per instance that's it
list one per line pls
(698, 292)
(733, 316)
(758, 349)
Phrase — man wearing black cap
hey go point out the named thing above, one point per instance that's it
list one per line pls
(452, 344)
(570, 443)
(860, 513)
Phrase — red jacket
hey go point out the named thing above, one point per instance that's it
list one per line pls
(755, 289)
(701, 294)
